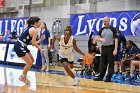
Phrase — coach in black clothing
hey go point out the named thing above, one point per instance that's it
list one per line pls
(107, 35)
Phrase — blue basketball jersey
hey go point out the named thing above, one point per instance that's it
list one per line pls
(25, 36)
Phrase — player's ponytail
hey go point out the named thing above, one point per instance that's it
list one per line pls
(32, 20)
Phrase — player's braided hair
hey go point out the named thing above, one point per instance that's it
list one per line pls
(68, 28)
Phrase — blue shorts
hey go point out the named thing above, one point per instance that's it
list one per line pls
(118, 57)
(20, 50)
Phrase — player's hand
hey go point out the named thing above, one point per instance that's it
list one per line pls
(115, 52)
(138, 55)
(85, 55)
(43, 50)
(123, 60)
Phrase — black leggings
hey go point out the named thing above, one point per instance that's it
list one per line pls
(96, 64)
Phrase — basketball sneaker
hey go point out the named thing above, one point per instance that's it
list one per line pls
(24, 80)
(43, 68)
(129, 80)
(114, 77)
(76, 81)
(138, 79)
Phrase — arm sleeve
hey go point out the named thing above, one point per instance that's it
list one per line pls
(100, 31)
(90, 36)
(90, 40)
(114, 32)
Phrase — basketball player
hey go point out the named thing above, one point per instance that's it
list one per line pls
(134, 63)
(20, 47)
(67, 43)
(92, 50)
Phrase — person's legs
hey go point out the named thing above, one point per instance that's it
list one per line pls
(89, 69)
(43, 62)
(83, 68)
(103, 66)
(29, 61)
(116, 66)
(46, 60)
(30, 55)
(124, 64)
(118, 62)
(24, 53)
(70, 65)
(132, 67)
(70, 73)
(50, 56)
(138, 77)
(96, 63)
(66, 65)
(116, 71)
(67, 69)
(110, 60)
(123, 75)
(122, 67)
(43, 59)
(103, 61)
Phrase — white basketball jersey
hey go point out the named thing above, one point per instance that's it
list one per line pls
(66, 50)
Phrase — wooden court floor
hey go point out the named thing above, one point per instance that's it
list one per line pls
(53, 83)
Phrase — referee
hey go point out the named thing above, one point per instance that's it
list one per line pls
(108, 36)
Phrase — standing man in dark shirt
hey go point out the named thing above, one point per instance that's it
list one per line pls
(107, 35)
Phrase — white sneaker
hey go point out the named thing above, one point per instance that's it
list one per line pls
(47, 70)
(76, 81)
(44, 68)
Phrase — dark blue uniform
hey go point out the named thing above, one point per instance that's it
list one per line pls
(20, 46)
(121, 47)
(133, 50)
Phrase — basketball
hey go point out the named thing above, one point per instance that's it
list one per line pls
(88, 59)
